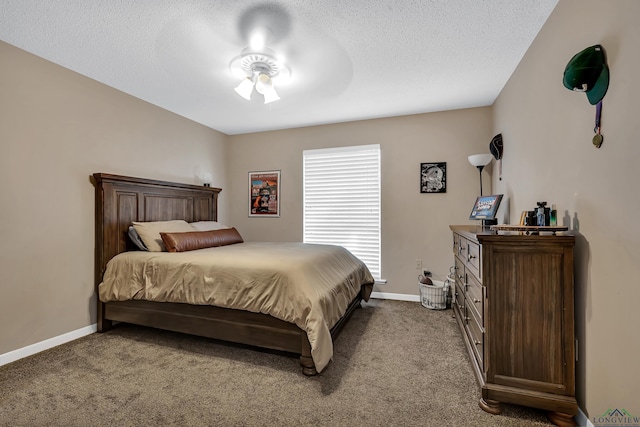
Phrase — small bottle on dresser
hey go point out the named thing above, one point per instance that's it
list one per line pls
(540, 214)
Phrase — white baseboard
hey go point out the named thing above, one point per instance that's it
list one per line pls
(582, 419)
(32, 349)
(398, 297)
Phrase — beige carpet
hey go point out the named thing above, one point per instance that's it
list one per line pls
(395, 364)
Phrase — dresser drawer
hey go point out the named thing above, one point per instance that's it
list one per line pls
(461, 248)
(473, 258)
(458, 307)
(459, 271)
(459, 297)
(456, 244)
(475, 297)
(476, 337)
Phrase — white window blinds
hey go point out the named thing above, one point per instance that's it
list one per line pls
(342, 200)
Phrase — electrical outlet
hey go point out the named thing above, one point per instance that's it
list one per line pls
(418, 264)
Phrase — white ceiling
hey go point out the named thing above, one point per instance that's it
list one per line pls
(350, 59)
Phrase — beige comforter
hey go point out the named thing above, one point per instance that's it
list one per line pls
(309, 285)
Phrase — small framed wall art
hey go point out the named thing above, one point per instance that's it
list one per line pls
(433, 177)
(264, 194)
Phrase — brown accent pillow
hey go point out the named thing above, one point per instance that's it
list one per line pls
(192, 240)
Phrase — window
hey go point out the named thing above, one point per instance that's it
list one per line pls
(342, 200)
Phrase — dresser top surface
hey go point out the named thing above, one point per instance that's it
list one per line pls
(483, 235)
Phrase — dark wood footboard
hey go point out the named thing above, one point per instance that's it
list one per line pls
(238, 326)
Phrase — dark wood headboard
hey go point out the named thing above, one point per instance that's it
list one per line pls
(120, 200)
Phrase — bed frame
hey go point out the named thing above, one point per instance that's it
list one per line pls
(120, 200)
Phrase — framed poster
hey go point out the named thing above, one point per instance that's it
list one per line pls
(433, 177)
(264, 194)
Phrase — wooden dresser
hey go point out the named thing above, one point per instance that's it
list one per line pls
(513, 301)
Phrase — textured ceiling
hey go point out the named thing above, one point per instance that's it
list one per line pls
(349, 60)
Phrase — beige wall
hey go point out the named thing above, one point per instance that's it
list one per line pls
(56, 129)
(548, 156)
(414, 225)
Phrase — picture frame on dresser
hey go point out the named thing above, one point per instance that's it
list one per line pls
(485, 207)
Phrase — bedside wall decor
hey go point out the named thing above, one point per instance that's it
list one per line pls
(433, 177)
(264, 194)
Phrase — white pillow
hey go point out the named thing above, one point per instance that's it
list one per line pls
(149, 232)
(208, 225)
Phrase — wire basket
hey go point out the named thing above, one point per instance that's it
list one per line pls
(434, 296)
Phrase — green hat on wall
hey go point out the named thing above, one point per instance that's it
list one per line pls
(588, 72)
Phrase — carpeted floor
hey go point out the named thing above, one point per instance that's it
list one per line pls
(395, 364)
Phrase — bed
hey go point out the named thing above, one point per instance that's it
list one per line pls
(122, 200)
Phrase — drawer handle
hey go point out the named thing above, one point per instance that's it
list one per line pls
(475, 300)
(476, 342)
(470, 257)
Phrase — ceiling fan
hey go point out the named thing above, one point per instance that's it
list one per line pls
(265, 52)
(260, 67)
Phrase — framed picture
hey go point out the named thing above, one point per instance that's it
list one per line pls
(486, 207)
(264, 194)
(433, 177)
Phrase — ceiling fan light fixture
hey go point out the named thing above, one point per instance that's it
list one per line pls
(263, 84)
(271, 95)
(245, 88)
(259, 69)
